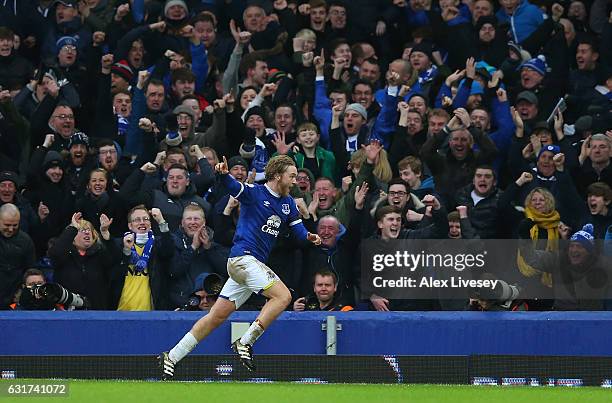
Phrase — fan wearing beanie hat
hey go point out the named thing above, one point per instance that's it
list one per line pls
(176, 11)
(185, 118)
(7, 192)
(355, 118)
(237, 161)
(180, 125)
(421, 56)
(584, 238)
(121, 75)
(545, 160)
(258, 123)
(66, 49)
(489, 23)
(78, 148)
(533, 72)
(360, 109)
(53, 166)
(65, 41)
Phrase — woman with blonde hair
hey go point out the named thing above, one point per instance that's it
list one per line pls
(83, 263)
(542, 224)
(382, 168)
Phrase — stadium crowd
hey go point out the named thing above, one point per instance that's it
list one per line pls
(406, 119)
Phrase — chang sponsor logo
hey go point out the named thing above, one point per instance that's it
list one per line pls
(272, 225)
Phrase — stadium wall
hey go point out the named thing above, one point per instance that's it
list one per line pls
(363, 333)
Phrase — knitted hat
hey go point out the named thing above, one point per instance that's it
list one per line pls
(237, 160)
(52, 159)
(173, 138)
(9, 176)
(171, 3)
(521, 53)
(360, 109)
(585, 237)
(486, 19)
(256, 110)
(275, 75)
(123, 70)
(184, 109)
(553, 149)
(423, 47)
(537, 64)
(65, 41)
(78, 138)
(51, 74)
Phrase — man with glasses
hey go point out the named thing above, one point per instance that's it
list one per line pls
(305, 180)
(141, 285)
(363, 94)
(65, 19)
(57, 120)
(337, 19)
(110, 158)
(411, 207)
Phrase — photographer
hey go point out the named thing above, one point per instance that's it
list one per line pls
(503, 297)
(205, 294)
(38, 295)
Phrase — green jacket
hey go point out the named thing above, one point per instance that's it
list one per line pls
(325, 159)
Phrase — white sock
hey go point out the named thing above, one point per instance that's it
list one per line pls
(252, 334)
(183, 347)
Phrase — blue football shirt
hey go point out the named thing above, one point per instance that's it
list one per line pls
(262, 214)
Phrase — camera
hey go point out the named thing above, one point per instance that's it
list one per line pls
(502, 297)
(211, 283)
(192, 304)
(47, 296)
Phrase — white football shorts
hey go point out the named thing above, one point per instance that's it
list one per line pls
(247, 275)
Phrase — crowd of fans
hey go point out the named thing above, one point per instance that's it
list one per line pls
(406, 119)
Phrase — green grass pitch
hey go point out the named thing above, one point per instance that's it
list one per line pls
(170, 392)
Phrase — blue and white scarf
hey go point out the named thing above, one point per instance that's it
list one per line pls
(141, 262)
(428, 75)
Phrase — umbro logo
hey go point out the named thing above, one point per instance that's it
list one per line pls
(266, 203)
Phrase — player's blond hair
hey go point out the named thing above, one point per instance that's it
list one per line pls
(277, 166)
